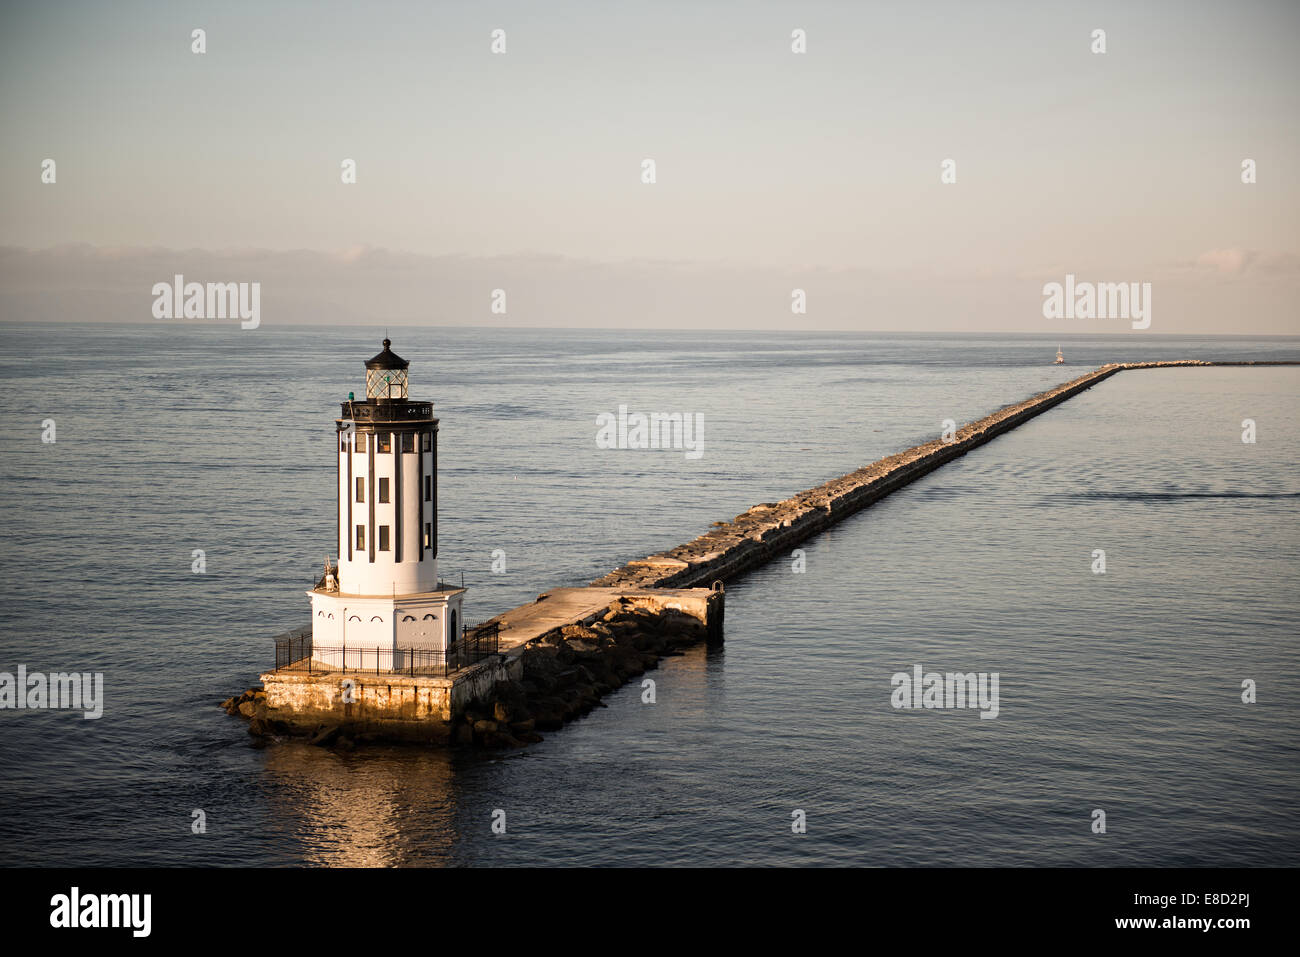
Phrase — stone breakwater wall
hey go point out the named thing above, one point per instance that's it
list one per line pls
(756, 536)
(773, 528)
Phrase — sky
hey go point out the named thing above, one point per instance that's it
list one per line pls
(774, 170)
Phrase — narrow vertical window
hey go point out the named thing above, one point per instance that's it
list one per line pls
(428, 535)
(384, 442)
(361, 441)
(361, 538)
(408, 441)
(428, 438)
(361, 489)
(383, 490)
(383, 538)
(428, 488)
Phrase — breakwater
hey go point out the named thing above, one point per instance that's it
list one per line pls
(764, 531)
(561, 653)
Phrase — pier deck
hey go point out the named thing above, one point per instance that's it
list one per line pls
(575, 606)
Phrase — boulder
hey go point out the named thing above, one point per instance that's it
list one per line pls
(509, 691)
(543, 672)
(325, 736)
(648, 644)
(550, 720)
(548, 713)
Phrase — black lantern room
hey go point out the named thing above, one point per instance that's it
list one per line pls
(386, 375)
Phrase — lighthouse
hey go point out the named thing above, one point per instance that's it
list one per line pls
(383, 601)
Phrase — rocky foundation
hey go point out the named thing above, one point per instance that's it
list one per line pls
(565, 673)
(568, 670)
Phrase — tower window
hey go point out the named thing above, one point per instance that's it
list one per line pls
(428, 440)
(383, 490)
(361, 538)
(383, 538)
(384, 442)
(343, 441)
(361, 441)
(428, 488)
(361, 490)
(428, 535)
(408, 441)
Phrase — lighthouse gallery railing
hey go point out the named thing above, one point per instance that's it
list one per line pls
(296, 650)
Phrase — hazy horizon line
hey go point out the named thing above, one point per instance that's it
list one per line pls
(1250, 291)
(921, 334)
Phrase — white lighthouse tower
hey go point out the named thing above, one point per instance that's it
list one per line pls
(385, 603)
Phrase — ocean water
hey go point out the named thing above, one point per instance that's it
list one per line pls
(1118, 691)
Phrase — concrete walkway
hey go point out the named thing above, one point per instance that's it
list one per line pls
(574, 606)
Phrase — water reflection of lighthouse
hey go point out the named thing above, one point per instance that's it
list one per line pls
(383, 601)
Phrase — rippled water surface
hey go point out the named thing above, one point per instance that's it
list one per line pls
(1118, 692)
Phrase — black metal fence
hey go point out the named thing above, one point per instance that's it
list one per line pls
(297, 648)
(292, 646)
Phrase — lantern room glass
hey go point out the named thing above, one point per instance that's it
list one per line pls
(386, 384)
